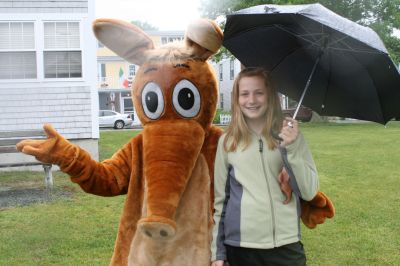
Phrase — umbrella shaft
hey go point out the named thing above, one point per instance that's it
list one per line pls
(307, 85)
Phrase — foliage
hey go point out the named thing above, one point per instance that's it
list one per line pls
(144, 25)
(381, 15)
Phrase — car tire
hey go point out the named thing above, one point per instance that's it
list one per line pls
(119, 124)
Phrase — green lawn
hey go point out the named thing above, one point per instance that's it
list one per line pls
(358, 166)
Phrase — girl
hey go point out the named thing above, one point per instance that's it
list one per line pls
(253, 223)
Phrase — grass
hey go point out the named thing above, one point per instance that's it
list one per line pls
(358, 166)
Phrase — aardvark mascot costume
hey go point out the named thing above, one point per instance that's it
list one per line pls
(167, 170)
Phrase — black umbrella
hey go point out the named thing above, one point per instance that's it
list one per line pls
(342, 68)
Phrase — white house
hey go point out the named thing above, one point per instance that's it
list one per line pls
(226, 71)
(48, 69)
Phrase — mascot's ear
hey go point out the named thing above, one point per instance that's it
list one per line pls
(204, 38)
(123, 38)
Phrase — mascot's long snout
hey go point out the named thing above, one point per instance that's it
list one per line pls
(170, 153)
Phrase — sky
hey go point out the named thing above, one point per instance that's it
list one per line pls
(163, 14)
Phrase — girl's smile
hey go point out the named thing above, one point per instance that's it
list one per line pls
(253, 98)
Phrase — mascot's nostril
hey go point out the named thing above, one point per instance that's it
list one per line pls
(157, 228)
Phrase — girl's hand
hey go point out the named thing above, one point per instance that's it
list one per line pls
(289, 132)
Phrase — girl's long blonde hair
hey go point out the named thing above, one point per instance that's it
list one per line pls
(238, 131)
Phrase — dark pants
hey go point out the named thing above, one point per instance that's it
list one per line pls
(288, 255)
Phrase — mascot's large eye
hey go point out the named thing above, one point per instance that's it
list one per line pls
(186, 98)
(152, 100)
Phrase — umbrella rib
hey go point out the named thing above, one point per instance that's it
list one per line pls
(345, 44)
(322, 36)
(339, 41)
(280, 61)
(301, 36)
(328, 81)
(379, 99)
(352, 50)
(304, 28)
(378, 96)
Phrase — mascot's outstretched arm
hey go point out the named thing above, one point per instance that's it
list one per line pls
(108, 178)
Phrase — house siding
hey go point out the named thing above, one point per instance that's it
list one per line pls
(225, 85)
(68, 109)
(69, 105)
(44, 6)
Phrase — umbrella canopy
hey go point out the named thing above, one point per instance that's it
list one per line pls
(346, 65)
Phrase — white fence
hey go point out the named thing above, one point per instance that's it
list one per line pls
(224, 119)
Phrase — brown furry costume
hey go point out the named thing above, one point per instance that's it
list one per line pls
(167, 170)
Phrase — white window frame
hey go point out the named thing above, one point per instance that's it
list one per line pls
(171, 38)
(39, 46)
(80, 49)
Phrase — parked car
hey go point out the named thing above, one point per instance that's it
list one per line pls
(303, 115)
(108, 118)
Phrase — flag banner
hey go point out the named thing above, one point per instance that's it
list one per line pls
(122, 80)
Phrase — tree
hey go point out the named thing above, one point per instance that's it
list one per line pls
(381, 15)
(143, 25)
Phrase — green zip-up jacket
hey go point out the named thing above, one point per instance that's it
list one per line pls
(249, 209)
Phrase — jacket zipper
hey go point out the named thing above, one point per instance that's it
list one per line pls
(260, 149)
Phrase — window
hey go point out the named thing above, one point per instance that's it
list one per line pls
(169, 39)
(132, 70)
(108, 113)
(221, 73)
(128, 105)
(62, 56)
(221, 100)
(62, 65)
(103, 70)
(17, 50)
(231, 69)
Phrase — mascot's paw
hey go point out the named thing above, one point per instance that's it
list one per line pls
(41, 149)
(315, 211)
(52, 150)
